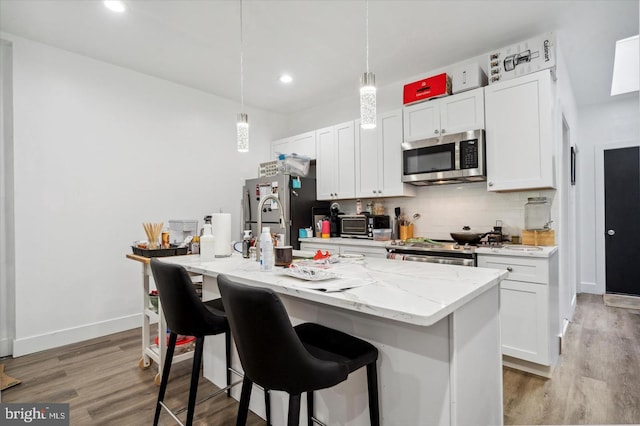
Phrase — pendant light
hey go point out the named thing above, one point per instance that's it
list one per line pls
(243, 119)
(367, 86)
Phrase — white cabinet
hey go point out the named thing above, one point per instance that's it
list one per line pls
(519, 133)
(529, 312)
(303, 144)
(379, 159)
(367, 251)
(281, 146)
(451, 114)
(368, 248)
(335, 175)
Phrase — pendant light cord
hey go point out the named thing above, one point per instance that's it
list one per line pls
(241, 63)
(366, 4)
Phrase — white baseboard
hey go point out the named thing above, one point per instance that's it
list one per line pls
(592, 288)
(31, 344)
(6, 346)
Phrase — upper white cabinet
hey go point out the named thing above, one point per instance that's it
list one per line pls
(451, 114)
(335, 175)
(379, 159)
(519, 133)
(304, 144)
(281, 146)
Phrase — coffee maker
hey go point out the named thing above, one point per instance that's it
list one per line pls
(334, 219)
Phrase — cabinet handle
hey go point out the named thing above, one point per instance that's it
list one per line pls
(509, 268)
(443, 131)
(490, 183)
(436, 131)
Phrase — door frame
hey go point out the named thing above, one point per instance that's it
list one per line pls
(601, 279)
(7, 234)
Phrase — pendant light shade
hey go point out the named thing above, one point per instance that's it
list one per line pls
(368, 101)
(367, 86)
(242, 125)
(243, 132)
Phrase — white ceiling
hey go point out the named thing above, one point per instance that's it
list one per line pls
(321, 42)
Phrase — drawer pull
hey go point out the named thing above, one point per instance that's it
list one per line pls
(509, 268)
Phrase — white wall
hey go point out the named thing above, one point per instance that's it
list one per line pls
(600, 125)
(98, 150)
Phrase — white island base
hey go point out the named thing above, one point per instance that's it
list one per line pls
(449, 373)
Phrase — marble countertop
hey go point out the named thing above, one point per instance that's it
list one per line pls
(411, 292)
(519, 250)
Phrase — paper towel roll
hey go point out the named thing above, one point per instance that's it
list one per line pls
(222, 232)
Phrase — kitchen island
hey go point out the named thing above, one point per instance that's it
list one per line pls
(436, 328)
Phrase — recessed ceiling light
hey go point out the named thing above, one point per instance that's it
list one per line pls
(286, 79)
(115, 5)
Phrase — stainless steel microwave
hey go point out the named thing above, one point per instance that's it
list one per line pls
(454, 158)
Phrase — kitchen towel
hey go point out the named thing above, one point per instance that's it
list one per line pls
(221, 223)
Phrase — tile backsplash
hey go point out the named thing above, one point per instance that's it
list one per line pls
(447, 208)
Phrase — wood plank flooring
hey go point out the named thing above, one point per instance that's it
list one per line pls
(596, 382)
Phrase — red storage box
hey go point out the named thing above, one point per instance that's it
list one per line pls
(432, 87)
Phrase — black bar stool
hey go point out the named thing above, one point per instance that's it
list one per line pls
(186, 314)
(278, 356)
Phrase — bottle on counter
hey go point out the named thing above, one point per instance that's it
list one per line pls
(246, 243)
(358, 207)
(207, 243)
(266, 250)
(195, 245)
(165, 239)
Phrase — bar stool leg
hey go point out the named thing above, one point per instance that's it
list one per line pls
(309, 408)
(227, 342)
(195, 375)
(267, 405)
(294, 410)
(372, 385)
(245, 397)
(173, 337)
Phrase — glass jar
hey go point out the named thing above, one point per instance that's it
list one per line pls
(378, 208)
(537, 213)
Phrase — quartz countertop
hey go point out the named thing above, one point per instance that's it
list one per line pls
(411, 292)
(519, 250)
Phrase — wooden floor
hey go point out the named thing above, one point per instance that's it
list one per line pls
(596, 382)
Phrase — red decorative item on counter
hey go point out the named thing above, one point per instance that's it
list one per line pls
(319, 255)
(431, 87)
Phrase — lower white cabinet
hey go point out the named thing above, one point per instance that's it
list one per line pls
(368, 248)
(529, 309)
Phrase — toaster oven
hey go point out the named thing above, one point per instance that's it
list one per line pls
(362, 226)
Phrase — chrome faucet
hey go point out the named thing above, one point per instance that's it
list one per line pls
(264, 199)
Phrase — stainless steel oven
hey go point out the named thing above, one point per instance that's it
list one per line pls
(445, 253)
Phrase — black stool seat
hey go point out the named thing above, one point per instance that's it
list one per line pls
(186, 314)
(278, 356)
(332, 345)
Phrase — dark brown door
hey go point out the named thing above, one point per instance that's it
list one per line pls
(622, 220)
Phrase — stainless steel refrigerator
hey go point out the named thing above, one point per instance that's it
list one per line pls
(297, 196)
